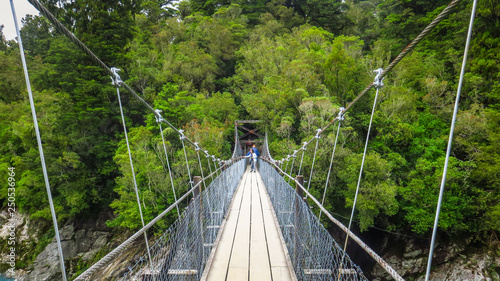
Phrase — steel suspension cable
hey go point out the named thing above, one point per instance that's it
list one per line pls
(39, 142)
(286, 166)
(293, 162)
(450, 140)
(117, 82)
(168, 165)
(314, 159)
(208, 161)
(182, 137)
(378, 82)
(197, 148)
(340, 118)
(302, 159)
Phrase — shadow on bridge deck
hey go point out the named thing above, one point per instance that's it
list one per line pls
(250, 245)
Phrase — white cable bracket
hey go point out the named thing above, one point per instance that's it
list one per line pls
(317, 136)
(116, 80)
(341, 115)
(196, 146)
(181, 134)
(295, 153)
(304, 145)
(158, 116)
(206, 153)
(377, 82)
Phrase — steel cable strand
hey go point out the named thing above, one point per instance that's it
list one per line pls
(379, 84)
(182, 137)
(450, 140)
(168, 167)
(293, 162)
(302, 159)
(208, 161)
(117, 82)
(39, 144)
(314, 159)
(340, 118)
(197, 148)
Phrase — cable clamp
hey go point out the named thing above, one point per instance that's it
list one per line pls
(318, 131)
(294, 153)
(196, 146)
(181, 133)
(304, 145)
(158, 116)
(341, 115)
(206, 153)
(115, 79)
(377, 82)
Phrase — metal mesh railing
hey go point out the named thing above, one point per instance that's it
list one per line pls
(182, 251)
(313, 252)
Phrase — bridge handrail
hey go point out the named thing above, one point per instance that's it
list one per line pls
(111, 255)
(360, 242)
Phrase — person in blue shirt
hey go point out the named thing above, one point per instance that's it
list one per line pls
(253, 154)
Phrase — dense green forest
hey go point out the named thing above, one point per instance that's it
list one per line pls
(289, 63)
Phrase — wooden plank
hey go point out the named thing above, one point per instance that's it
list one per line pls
(218, 269)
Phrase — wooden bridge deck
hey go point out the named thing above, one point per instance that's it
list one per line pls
(250, 245)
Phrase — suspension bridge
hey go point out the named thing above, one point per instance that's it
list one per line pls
(240, 225)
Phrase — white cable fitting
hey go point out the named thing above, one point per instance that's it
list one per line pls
(206, 153)
(304, 145)
(318, 131)
(158, 116)
(377, 82)
(341, 115)
(294, 153)
(196, 146)
(116, 80)
(181, 133)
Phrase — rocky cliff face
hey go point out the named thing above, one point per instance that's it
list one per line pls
(82, 243)
(77, 245)
(452, 262)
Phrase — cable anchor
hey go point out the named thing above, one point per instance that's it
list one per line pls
(181, 135)
(115, 79)
(158, 116)
(317, 136)
(377, 82)
(341, 115)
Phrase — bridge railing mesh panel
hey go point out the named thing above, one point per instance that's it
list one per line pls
(314, 254)
(183, 250)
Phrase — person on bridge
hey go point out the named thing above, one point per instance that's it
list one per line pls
(255, 150)
(253, 159)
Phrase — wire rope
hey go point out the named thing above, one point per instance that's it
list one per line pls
(450, 141)
(39, 142)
